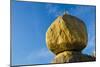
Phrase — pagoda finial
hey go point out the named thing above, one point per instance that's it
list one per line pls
(65, 12)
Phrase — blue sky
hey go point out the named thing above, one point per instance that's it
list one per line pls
(30, 22)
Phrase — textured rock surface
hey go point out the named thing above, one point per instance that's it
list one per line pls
(66, 33)
(66, 38)
(72, 56)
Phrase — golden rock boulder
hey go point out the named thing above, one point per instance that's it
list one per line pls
(66, 33)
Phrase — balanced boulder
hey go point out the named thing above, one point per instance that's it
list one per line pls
(66, 38)
(66, 33)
